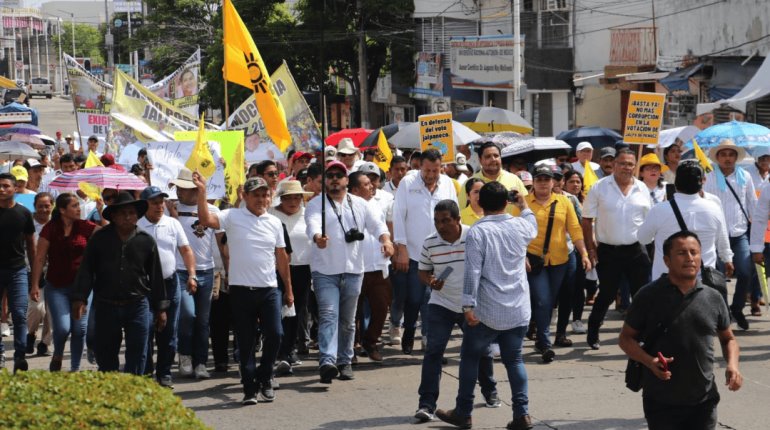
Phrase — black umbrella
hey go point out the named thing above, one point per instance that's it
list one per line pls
(598, 137)
(389, 130)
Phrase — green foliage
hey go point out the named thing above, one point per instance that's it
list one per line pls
(63, 400)
(89, 41)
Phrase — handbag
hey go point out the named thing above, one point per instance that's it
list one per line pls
(537, 262)
(635, 369)
(709, 276)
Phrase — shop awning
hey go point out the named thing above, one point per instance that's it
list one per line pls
(678, 81)
(725, 77)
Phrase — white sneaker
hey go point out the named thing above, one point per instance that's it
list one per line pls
(185, 365)
(495, 350)
(578, 327)
(5, 330)
(395, 335)
(201, 372)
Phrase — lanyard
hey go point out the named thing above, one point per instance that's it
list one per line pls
(339, 215)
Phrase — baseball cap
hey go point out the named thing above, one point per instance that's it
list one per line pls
(524, 176)
(108, 160)
(461, 163)
(255, 183)
(151, 192)
(31, 162)
(543, 170)
(299, 154)
(608, 151)
(330, 151)
(20, 173)
(584, 145)
(93, 137)
(337, 164)
(369, 168)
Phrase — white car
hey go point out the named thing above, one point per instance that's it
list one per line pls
(40, 87)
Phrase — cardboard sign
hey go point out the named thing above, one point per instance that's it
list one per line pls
(168, 158)
(644, 118)
(436, 133)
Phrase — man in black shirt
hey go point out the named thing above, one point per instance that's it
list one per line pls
(16, 233)
(679, 385)
(122, 267)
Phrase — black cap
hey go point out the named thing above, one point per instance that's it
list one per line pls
(542, 171)
(608, 151)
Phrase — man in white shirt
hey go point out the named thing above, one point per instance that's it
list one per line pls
(170, 238)
(256, 241)
(619, 204)
(398, 169)
(416, 198)
(337, 265)
(195, 306)
(584, 152)
(701, 216)
(735, 190)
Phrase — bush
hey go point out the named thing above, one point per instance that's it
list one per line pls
(63, 400)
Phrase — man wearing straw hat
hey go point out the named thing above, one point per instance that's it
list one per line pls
(348, 154)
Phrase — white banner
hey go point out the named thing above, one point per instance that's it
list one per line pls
(181, 87)
(168, 158)
(483, 62)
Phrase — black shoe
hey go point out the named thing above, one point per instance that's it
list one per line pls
(740, 319)
(407, 344)
(249, 399)
(266, 392)
(30, 344)
(492, 401)
(450, 418)
(328, 372)
(42, 349)
(20, 365)
(220, 367)
(346, 372)
(293, 359)
(548, 355)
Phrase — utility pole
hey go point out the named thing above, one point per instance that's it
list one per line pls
(72, 15)
(362, 79)
(47, 57)
(29, 46)
(109, 42)
(515, 10)
(61, 58)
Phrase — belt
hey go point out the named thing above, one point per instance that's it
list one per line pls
(606, 245)
(246, 287)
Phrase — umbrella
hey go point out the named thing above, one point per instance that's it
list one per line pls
(409, 136)
(487, 118)
(17, 151)
(30, 140)
(536, 148)
(388, 130)
(356, 134)
(744, 134)
(102, 177)
(668, 137)
(48, 140)
(598, 136)
(20, 129)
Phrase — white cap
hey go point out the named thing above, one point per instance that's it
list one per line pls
(33, 163)
(330, 151)
(369, 167)
(584, 145)
(461, 163)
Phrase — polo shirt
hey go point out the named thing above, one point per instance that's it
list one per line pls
(564, 221)
(65, 252)
(618, 216)
(509, 180)
(438, 254)
(252, 241)
(169, 236)
(468, 216)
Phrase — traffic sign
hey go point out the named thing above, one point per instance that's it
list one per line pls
(127, 6)
(19, 65)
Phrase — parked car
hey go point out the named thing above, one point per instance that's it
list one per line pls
(15, 95)
(40, 87)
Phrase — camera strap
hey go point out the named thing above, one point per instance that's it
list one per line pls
(339, 214)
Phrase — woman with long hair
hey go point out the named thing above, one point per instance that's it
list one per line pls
(472, 212)
(62, 243)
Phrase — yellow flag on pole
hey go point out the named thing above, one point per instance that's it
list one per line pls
(234, 173)
(702, 159)
(244, 66)
(384, 154)
(93, 160)
(201, 160)
(589, 178)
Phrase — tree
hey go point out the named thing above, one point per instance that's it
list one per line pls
(89, 42)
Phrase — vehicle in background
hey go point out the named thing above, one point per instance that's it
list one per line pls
(15, 95)
(40, 87)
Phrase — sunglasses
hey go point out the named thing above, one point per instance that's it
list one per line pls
(272, 174)
(345, 155)
(337, 175)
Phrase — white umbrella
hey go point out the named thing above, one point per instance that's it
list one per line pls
(17, 151)
(536, 148)
(408, 137)
(668, 137)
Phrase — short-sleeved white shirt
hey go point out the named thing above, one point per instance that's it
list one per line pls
(202, 239)
(252, 241)
(169, 236)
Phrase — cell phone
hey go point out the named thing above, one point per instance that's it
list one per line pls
(445, 274)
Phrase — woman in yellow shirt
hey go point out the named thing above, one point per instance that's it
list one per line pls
(547, 263)
(472, 212)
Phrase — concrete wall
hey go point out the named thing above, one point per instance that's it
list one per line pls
(599, 107)
(449, 9)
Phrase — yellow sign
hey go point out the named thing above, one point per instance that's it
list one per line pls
(644, 117)
(436, 133)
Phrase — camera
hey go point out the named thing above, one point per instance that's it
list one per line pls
(353, 235)
(513, 195)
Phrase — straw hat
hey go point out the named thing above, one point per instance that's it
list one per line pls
(184, 179)
(346, 146)
(727, 144)
(288, 188)
(650, 159)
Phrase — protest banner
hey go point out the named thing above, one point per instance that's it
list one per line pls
(305, 134)
(644, 118)
(91, 99)
(181, 87)
(231, 145)
(169, 158)
(436, 133)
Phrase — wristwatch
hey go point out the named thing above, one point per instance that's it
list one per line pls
(468, 308)
(194, 278)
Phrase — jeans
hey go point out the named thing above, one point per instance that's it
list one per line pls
(300, 284)
(166, 339)
(248, 304)
(744, 271)
(376, 290)
(111, 320)
(544, 290)
(417, 295)
(38, 313)
(194, 310)
(475, 345)
(660, 416)
(398, 294)
(64, 324)
(15, 283)
(441, 321)
(337, 297)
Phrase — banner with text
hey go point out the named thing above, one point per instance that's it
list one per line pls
(168, 158)
(483, 62)
(436, 133)
(91, 98)
(229, 142)
(305, 134)
(182, 86)
(644, 118)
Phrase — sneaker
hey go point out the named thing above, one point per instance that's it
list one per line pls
(42, 350)
(495, 350)
(30, 344)
(548, 355)
(201, 372)
(424, 415)
(91, 356)
(293, 359)
(249, 399)
(492, 401)
(185, 365)
(395, 335)
(578, 327)
(5, 330)
(328, 372)
(266, 392)
(274, 383)
(283, 368)
(346, 372)
(166, 381)
(20, 365)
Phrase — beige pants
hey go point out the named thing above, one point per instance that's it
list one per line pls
(37, 313)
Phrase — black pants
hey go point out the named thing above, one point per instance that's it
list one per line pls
(614, 262)
(300, 283)
(661, 416)
(219, 328)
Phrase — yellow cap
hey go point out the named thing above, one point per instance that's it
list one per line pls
(652, 158)
(20, 173)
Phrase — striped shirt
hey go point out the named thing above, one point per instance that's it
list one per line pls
(437, 255)
(736, 221)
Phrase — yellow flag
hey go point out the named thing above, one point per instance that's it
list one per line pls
(702, 159)
(93, 160)
(234, 173)
(384, 154)
(201, 159)
(244, 66)
(589, 178)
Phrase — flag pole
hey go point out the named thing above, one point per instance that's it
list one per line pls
(224, 60)
(322, 103)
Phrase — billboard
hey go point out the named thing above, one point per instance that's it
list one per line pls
(483, 62)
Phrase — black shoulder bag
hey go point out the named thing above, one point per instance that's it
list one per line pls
(537, 262)
(740, 205)
(635, 369)
(710, 276)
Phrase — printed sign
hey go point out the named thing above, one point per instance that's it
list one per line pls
(484, 62)
(91, 98)
(644, 117)
(168, 158)
(436, 133)
(181, 87)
